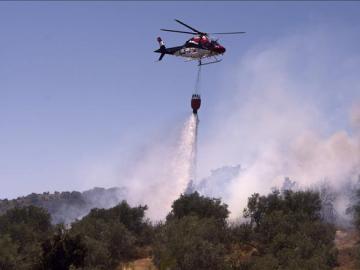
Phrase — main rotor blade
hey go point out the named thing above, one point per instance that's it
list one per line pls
(227, 33)
(176, 31)
(188, 26)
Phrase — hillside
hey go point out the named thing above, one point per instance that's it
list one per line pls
(347, 244)
(284, 229)
(65, 207)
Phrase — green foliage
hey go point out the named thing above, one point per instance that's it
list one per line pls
(203, 207)
(305, 204)
(8, 253)
(22, 230)
(285, 231)
(131, 217)
(113, 236)
(289, 231)
(101, 240)
(241, 233)
(63, 251)
(355, 211)
(190, 243)
(35, 218)
(193, 236)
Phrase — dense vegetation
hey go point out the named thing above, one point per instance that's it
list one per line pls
(101, 240)
(114, 236)
(355, 210)
(284, 230)
(289, 232)
(22, 230)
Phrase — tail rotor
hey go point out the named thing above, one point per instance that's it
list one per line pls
(162, 49)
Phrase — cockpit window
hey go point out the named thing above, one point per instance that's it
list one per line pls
(214, 42)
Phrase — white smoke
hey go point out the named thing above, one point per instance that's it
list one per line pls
(164, 171)
(282, 114)
(283, 119)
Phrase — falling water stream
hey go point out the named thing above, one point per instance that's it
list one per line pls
(184, 166)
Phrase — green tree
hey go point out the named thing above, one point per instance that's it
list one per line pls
(22, 231)
(190, 243)
(194, 236)
(8, 253)
(355, 211)
(113, 236)
(63, 251)
(289, 231)
(133, 218)
(203, 207)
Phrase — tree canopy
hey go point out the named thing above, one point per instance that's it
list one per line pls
(282, 230)
(200, 206)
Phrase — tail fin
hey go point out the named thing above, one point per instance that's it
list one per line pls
(162, 49)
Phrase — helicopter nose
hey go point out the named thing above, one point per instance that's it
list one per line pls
(220, 49)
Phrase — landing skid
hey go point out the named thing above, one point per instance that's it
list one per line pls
(201, 63)
(208, 63)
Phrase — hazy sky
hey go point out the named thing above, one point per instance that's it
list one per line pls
(79, 85)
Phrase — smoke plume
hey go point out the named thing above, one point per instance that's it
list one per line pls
(288, 117)
(289, 108)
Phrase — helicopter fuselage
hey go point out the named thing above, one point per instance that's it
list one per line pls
(196, 48)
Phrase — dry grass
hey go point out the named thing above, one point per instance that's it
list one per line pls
(347, 244)
(142, 264)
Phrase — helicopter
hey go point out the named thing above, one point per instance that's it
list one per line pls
(199, 47)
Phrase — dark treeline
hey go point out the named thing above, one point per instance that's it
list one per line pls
(355, 211)
(101, 240)
(283, 230)
(65, 207)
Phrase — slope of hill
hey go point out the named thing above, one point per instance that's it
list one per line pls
(347, 243)
(66, 207)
